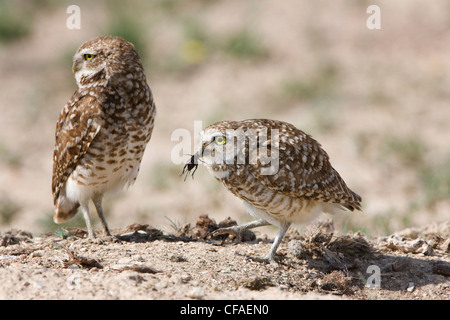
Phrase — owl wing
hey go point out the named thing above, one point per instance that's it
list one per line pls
(304, 170)
(78, 124)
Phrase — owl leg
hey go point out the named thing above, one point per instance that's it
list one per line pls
(98, 205)
(276, 242)
(236, 230)
(87, 219)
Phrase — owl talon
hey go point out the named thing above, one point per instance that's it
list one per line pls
(229, 231)
(233, 231)
(267, 260)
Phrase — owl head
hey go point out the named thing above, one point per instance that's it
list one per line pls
(226, 145)
(104, 60)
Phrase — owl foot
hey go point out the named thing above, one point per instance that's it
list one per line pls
(238, 230)
(266, 260)
(234, 231)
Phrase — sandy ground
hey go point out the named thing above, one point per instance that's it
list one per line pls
(377, 101)
(144, 263)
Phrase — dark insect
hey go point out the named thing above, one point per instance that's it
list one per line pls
(189, 166)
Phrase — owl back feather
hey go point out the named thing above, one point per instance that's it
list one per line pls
(78, 124)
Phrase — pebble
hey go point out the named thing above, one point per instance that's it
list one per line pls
(138, 258)
(186, 277)
(196, 293)
(296, 248)
(124, 261)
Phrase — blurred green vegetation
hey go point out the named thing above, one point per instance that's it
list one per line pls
(125, 21)
(436, 182)
(244, 44)
(9, 157)
(321, 84)
(195, 43)
(8, 209)
(16, 22)
(410, 151)
(62, 233)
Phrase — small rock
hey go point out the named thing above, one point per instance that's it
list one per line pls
(196, 293)
(283, 287)
(117, 266)
(296, 249)
(411, 287)
(124, 261)
(37, 254)
(186, 277)
(138, 258)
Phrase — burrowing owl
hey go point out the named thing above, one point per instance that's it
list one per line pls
(102, 131)
(282, 174)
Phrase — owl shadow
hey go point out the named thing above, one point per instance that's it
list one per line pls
(202, 231)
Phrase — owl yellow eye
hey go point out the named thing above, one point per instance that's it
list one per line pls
(220, 140)
(88, 56)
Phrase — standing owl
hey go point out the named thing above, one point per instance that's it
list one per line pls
(281, 173)
(102, 132)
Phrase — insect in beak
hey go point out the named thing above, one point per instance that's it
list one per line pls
(189, 166)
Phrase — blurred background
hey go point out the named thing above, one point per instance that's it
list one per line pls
(377, 100)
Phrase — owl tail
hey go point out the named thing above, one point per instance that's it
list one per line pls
(64, 209)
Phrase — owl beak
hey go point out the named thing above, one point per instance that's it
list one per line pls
(201, 152)
(75, 67)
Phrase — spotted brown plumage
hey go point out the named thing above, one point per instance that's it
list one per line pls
(295, 186)
(102, 132)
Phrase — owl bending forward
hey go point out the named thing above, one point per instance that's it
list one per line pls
(102, 132)
(281, 173)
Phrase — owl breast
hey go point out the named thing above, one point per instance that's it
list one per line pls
(271, 205)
